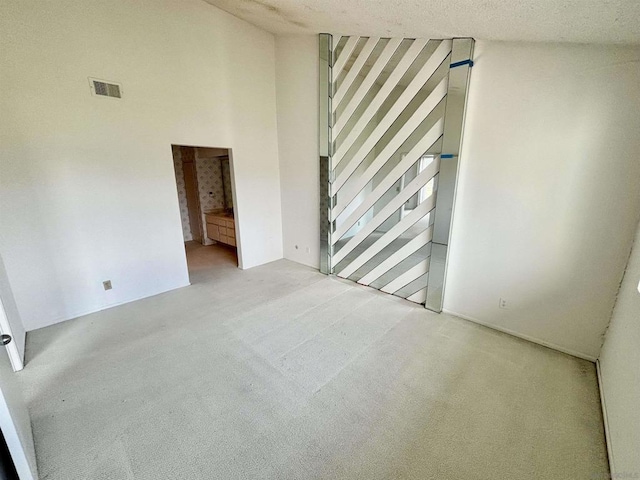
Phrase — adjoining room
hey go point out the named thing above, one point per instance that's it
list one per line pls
(205, 196)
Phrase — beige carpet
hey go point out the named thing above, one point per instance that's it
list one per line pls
(282, 373)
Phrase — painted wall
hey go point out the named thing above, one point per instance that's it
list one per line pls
(548, 193)
(297, 86)
(87, 185)
(619, 363)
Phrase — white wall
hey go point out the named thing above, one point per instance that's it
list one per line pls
(87, 189)
(620, 380)
(548, 193)
(297, 86)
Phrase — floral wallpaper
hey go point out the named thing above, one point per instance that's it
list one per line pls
(210, 185)
(214, 181)
(210, 188)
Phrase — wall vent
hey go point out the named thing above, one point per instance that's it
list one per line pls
(103, 88)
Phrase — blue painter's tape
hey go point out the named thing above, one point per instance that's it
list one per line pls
(461, 63)
(447, 155)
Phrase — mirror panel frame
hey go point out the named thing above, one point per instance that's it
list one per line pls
(458, 88)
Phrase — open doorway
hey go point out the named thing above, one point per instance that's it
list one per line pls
(204, 180)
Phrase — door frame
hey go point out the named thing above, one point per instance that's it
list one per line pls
(15, 421)
(10, 322)
(199, 229)
(234, 194)
(17, 362)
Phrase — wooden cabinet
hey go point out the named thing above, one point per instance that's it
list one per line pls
(221, 228)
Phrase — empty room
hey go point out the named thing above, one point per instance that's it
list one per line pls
(303, 239)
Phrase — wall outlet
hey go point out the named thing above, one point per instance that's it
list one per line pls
(107, 285)
(503, 303)
(308, 250)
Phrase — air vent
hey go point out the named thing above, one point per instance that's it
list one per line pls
(105, 89)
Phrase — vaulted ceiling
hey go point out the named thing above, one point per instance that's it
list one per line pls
(578, 21)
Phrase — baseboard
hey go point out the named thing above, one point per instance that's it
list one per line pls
(605, 418)
(307, 263)
(544, 343)
(105, 307)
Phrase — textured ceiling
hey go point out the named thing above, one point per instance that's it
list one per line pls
(580, 21)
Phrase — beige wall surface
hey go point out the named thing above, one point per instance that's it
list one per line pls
(548, 194)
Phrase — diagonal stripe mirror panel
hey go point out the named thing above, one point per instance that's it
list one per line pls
(390, 131)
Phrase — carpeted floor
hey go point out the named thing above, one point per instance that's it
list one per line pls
(282, 373)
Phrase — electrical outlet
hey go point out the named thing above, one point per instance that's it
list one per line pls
(503, 303)
(107, 285)
(308, 250)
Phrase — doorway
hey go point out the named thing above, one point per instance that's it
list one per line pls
(206, 198)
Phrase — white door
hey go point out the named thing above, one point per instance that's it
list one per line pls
(12, 348)
(10, 321)
(14, 415)
(15, 422)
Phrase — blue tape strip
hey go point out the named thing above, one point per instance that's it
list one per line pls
(447, 155)
(461, 63)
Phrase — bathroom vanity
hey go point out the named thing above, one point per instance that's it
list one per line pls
(221, 227)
